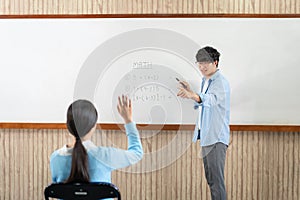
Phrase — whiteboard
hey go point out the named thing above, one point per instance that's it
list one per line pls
(48, 63)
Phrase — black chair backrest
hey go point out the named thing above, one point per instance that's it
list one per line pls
(82, 191)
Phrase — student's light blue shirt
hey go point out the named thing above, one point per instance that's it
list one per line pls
(102, 160)
(215, 113)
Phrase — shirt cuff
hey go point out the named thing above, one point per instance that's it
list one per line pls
(197, 104)
(130, 128)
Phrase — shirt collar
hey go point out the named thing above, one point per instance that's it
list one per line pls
(214, 76)
(65, 151)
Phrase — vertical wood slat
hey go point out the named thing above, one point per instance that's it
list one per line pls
(146, 182)
(159, 174)
(154, 162)
(296, 190)
(270, 163)
(290, 167)
(228, 168)
(11, 165)
(240, 166)
(285, 167)
(176, 177)
(189, 167)
(244, 165)
(275, 167)
(280, 166)
(234, 175)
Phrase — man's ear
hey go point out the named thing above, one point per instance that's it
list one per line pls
(216, 63)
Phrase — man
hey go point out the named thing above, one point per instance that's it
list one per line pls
(212, 127)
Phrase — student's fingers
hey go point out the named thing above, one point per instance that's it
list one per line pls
(119, 101)
(126, 103)
(122, 100)
(118, 107)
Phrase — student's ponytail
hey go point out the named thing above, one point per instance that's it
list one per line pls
(81, 118)
(79, 170)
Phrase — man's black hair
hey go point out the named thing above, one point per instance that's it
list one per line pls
(208, 54)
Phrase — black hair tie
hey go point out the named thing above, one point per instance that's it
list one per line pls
(78, 138)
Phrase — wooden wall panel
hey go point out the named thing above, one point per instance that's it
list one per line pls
(259, 165)
(16, 7)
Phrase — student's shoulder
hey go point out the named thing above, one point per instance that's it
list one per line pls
(60, 152)
(54, 154)
(104, 152)
(101, 149)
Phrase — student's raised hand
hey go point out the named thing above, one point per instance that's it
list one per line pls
(124, 108)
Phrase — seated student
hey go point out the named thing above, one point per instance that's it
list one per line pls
(83, 161)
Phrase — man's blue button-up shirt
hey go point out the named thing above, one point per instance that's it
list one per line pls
(215, 113)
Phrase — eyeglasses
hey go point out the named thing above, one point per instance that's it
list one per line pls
(203, 63)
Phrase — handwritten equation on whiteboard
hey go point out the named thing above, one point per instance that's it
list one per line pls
(149, 82)
(153, 91)
(148, 91)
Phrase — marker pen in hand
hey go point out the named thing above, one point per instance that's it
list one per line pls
(184, 86)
